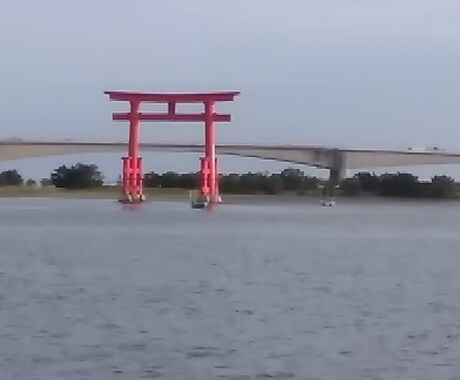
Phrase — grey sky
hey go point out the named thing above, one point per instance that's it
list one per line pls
(352, 73)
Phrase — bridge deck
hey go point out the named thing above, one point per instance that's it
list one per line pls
(318, 156)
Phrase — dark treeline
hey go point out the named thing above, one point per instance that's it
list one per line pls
(82, 176)
(294, 180)
(400, 185)
(11, 178)
(79, 176)
(247, 183)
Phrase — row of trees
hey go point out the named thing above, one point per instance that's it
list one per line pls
(81, 176)
(13, 178)
(78, 176)
(400, 185)
(287, 180)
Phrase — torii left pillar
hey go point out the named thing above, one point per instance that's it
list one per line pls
(132, 164)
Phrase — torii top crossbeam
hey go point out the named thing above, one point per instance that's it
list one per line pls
(171, 97)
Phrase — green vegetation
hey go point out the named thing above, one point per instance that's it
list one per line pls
(406, 185)
(292, 181)
(31, 182)
(11, 178)
(79, 176)
(46, 182)
(289, 180)
(443, 187)
(295, 181)
(351, 187)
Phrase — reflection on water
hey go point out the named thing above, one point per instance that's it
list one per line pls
(93, 290)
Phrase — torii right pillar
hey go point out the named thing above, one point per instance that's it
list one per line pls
(209, 170)
(209, 174)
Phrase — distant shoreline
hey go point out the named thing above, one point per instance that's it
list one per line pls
(182, 195)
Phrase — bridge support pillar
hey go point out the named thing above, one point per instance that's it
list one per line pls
(337, 172)
(336, 175)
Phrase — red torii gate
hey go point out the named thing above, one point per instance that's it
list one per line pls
(132, 164)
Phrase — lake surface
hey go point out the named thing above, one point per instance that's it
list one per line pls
(93, 290)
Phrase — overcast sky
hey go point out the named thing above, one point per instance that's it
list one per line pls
(355, 73)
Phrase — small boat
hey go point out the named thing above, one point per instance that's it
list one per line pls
(197, 201)
(327, 202)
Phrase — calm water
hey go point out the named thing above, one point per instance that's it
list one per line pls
(91, 290)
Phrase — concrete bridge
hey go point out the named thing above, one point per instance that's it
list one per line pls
(335, 159)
